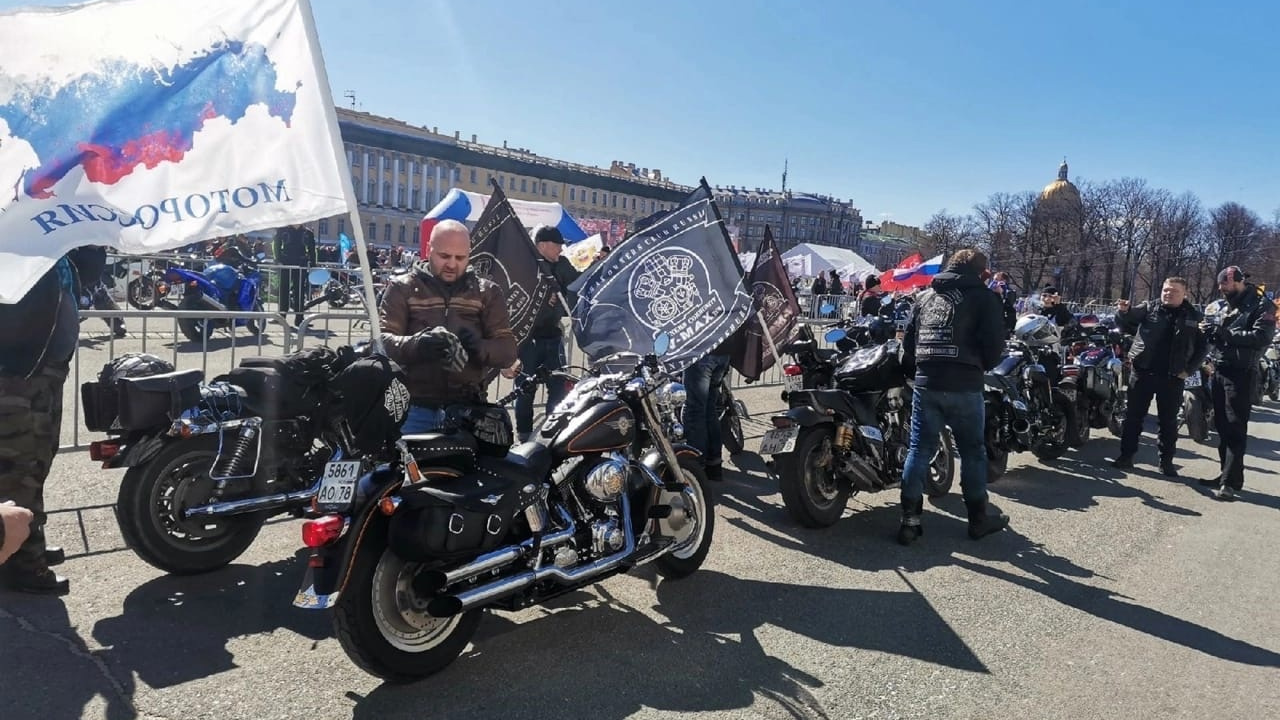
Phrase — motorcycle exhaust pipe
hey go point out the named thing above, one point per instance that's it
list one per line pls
(449, 605)
(433, 581)
(1022, 431)
(278, 501)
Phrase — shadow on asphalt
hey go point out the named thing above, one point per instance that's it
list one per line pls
(865, 542)
(600, 654)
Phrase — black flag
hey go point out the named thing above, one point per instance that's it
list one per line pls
(679, 277)
(776, 308)
(502, 251)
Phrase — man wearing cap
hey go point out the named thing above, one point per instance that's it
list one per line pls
(544, 348)
(1060, 314)
(869, 303)
(1241, 332)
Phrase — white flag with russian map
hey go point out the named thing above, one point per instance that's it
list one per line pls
(149, 124)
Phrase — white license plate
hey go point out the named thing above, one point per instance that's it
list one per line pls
(793, 382)
(338, 487)
(782, 440)
(1192, 381)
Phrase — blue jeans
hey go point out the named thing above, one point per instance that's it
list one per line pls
(540, 353)
(422, 420)
(701, 423)
(931, 411)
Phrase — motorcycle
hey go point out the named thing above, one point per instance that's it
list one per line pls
(1090, 375)
(220, 287)
(831, 443)
(731, 412)
(429, 540)
(1197, 407)
(208, 463)
(1023, 410)
(1271, 372)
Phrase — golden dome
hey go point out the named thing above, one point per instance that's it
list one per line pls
(1062, 189)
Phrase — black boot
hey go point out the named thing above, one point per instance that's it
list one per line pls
(54, 555)
(980, 523)
(36, 580)
(1124, 461)
(1167, 467)
(911, 529)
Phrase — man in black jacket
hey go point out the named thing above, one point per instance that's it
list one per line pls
(38, 336)
(294, 246)
(956, 334)
(1240, 333)
(1168, 346)
(545, 345)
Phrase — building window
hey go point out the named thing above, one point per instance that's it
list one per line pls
(554, 192)
(415, 199)
(373, 231)
(544, 189)
(473, 176)
(342, 226)
(651, 206)
(511, 184)
(573, 194)
(524, 185)
(615, 200)
(323, 227)
(373, 191)
(417, 238)
(386, 192)
(403, 232)
(593, 197)
(387, 236)
(633, 203)
(400, 198)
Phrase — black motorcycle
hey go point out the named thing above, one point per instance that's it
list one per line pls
(853, 437)
(731, 412)
(1090, 376)
(208, 463)
(1196, 412)
(450, 527)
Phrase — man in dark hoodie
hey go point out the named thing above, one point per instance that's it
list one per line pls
(1240, 333)
(38, 336)
(956, 334)
(545, 345)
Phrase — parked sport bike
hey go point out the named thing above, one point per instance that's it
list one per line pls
(1090, 376)
(854, 437)
(1023, 410)
(453, 524)
(208, 463)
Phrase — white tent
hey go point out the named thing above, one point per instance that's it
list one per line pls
(808, 259)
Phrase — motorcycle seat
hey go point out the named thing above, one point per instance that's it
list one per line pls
(526, 463)
(798, 346)
(431, 448)
(826, 355)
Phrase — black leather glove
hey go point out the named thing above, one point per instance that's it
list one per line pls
(427, 346)
(470, 342)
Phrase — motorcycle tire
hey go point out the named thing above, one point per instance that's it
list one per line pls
(731, 432)
(395, 643)
(1197, 426)
(942, 470)
(1115, 422)
(1084, 430)
(808, 503)
(196, 330)
(1054, 449)
(169, 543)
(1273, 391)
(141, 293)
(686, 559)
(256, 327)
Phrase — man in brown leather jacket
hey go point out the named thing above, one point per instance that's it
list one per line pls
(431, 312)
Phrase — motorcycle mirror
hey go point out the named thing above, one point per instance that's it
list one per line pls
(661, 344)
(318, 277)
(827, 308)
(262, 256)
(835, 335)
(886, 301)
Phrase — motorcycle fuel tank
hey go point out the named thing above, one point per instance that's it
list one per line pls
(606, 425)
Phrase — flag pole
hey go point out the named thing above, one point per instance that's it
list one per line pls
(768, 340)
(348, 192)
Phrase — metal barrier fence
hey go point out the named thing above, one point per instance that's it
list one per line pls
(157, 332)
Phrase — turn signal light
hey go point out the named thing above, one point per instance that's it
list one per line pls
(103, 450)
(792, 370)
(321, 531)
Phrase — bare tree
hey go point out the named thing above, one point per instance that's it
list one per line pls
(945, 233)
(995, 223)
(1237, 232)
(1177, 230)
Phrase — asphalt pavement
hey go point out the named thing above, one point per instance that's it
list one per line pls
(1113, 595)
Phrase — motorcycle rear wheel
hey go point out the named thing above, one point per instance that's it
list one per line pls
(141, 293)
(383, 625)
(152, 495)
(812, 500)
(1197, 427)
(731, 432)
(1054, 448)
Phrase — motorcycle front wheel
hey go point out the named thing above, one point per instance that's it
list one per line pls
(141, 293)
(731, 432)
(1056, 445)
(382, 623)
(693, 536)
(814, 497)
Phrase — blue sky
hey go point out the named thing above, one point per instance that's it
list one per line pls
(906, 107)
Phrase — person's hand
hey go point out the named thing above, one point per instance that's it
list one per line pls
(17, 528)
(510, 373)
(1122, 305)
(470, 341)
(429, 345)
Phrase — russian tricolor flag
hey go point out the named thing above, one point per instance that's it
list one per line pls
(913, 272)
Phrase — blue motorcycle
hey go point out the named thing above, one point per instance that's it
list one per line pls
(220, 287)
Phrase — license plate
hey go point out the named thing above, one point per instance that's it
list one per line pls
(338, 487)
(782, 440)
(1192, 381)
(793, 382)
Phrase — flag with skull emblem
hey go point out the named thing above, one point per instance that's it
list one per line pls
(678, 277)
(777, 311)
(502, 251)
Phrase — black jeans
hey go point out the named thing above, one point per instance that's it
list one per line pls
(1167, 391)
(1232, 390)
(538, 353)
(293, 292)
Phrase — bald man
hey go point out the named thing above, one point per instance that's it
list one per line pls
(427, 313)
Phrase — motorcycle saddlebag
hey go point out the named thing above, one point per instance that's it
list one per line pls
(101, 398)
(270, 393)
(155, 400)
(454, 517)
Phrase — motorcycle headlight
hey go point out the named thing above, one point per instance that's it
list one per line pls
(672, 394)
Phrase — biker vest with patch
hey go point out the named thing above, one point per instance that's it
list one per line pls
(939, 338)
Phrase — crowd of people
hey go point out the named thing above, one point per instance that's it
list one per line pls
(450, 331)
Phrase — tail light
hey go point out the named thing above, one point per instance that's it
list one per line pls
(782, 421)
(1071, 371)
(792, 370)
(103, 450)
(322, 531)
